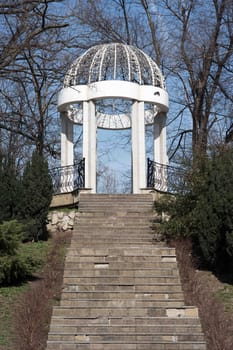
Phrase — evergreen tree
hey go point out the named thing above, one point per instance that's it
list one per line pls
(8, 189)
(212, 224)
(36, 195)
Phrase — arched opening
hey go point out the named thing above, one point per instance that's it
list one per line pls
(114, 161)
(113, 145)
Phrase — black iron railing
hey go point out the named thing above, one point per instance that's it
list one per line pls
(68, 178)
(164, 178)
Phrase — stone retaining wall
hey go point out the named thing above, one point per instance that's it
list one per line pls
(59, 220)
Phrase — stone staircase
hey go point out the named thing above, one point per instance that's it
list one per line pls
(121, 290)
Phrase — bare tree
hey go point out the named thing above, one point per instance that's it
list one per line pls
(203, 38)
(22, 23)
(30, 70)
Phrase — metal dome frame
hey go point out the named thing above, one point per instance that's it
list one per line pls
(114, 61)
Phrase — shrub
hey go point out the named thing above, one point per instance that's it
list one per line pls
(11, 233)
(14, 267)
(205, 211)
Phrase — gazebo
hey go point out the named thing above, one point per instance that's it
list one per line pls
(104, 74)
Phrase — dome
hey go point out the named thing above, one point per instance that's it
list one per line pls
(114, 62)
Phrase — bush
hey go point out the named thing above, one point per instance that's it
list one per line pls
(11, 233)
(14, 267)
(205, 211)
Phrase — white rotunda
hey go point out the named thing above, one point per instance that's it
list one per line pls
(107, 73)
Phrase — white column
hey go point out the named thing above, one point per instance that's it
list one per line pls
(138, 147)
(89, 144)
(67, 144)
(160, 152)
(67, 154)
(160, 147)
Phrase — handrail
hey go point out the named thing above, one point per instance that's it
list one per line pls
(164, 178)
(68, 178)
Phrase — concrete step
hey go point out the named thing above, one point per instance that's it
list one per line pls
(121, 243)
(114, 233)
(144, 288)
(113, 218)
(124, 227)
(114, 311)
(121, 295)
(116, 201)
(119, 303)
(120, 230)
(117, 338)
(126, 329)
(127, 321)
(107, 272)
(127, 346)
(106, 240)
(89, 232)
(114, 214)
(115, 198)
(98, 209)
(148, 215)
(121, 265)
(134, 250)
(116, 209)
(115, 281)
(76, 258)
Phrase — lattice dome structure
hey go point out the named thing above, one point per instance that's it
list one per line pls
(114, 62)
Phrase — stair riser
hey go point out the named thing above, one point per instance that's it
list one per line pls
(121, 295)
(120, 280)
(121, 303)
(110, 312)
(163, 288)
(120, 273)
(120, 243)
(172, 329)
(133, 251)
(128, 321)
(116, 208)
(121, 259)
(79, 339)
(121, 266)
(121, 215)
(110, 346)
(141, 219)
(93, 233)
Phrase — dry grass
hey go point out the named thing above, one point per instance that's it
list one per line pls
(34, 307)
(200, 289)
